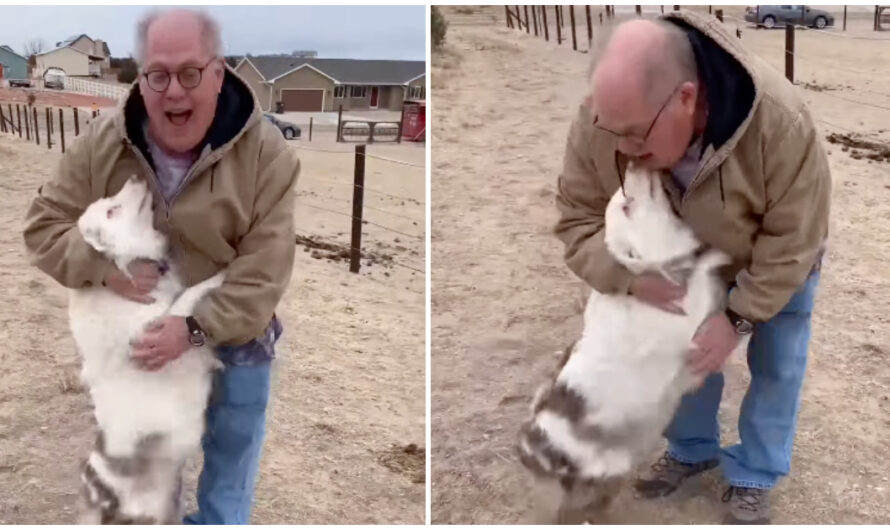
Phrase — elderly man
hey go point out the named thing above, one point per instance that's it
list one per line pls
(744, 167)
(222, 179)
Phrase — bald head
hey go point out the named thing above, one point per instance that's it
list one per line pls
(643, 60)
(162, 24)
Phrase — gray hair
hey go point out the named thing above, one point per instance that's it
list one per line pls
(210, 33)
(666, 67)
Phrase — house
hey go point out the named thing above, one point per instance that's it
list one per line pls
(12, 65)
(305, 84)
(76, 56)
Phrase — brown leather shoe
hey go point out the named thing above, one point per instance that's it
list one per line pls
(746, 505)
(666, 475)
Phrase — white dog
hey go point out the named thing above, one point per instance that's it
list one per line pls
(622, 381)
(149, 422)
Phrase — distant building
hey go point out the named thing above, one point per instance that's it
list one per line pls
(77, 56)
(314, 85)
(12, 65)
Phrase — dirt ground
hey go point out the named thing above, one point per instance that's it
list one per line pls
(503, 301)
(346, 436)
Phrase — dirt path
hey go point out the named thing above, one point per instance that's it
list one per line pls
(503, 302)
(345, 428)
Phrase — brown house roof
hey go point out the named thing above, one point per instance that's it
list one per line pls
(343, 71)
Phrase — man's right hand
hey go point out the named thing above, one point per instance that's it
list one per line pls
(145, 277)
(657, 291)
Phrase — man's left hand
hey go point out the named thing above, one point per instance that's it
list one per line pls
(715, 339)
(164, 340)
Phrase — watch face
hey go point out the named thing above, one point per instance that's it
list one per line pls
(196, 339)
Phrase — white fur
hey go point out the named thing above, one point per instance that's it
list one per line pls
(131, 403)
(630, 364)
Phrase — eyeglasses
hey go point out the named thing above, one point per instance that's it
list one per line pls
(189, 77)
(636, 138)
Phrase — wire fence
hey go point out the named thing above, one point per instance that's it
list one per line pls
(408, 226)
(537, 20)
(44, 125)
(47, 126)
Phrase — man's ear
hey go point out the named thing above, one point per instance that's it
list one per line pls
(689, 96)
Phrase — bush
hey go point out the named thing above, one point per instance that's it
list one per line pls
(128, 71)
(438, 26)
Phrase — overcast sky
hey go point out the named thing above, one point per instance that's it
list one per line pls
(360, 32)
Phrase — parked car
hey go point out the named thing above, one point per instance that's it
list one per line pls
(54, 78)
(26, 83)
(288, 129)
(773, 16)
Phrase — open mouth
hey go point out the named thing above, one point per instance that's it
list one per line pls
(179, 118)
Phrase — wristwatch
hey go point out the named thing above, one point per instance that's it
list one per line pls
(742, 325)
(197, 336)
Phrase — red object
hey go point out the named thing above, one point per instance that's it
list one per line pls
(414, 123)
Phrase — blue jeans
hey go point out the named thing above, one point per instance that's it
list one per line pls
(236, 419)
(777, 358)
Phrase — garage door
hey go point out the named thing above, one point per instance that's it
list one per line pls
(303, 100)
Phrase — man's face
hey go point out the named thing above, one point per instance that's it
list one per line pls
(179, 117)
(654, 134)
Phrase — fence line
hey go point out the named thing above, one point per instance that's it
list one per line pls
(315, 206)
(95, 88)
(366, 188)
(381, 210)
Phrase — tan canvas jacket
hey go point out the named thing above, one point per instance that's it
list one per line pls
(762, 197)
(235, 211)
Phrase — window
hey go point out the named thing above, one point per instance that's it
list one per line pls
(416, 92)
(340, 91)
(358, 91)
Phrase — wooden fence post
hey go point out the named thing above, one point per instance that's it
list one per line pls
(27, 122)
(589, 26)
(574, 36)
(845, 17)
(76, 122)
(709, 10)
(676, 8)
(789, 52)
(49, 129)
(19, 116)
(544, 20)
(36, 128)
(2, 120)
(527, 30)
(719, 13)
(518, 19)
(639, 10)
(558, 29)
(310, 128)
(601, 19)
(340, 123)
(535, 18)
(507, 14)
(358, 193)
(401, 123)
(62, 128)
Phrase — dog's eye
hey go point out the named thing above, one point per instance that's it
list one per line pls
(627, 205)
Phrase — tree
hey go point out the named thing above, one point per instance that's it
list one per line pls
(32, 48)
(127, 71)
(438, 26)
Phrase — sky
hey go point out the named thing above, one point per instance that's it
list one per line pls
(348, 32)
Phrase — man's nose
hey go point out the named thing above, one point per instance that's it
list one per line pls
(174, 89)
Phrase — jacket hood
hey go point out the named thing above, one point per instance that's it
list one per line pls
(727, 71)
(236, 111)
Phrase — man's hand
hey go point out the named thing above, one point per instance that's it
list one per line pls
(164, 340)
(715, 339)
(145, 277)
(655, 290)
